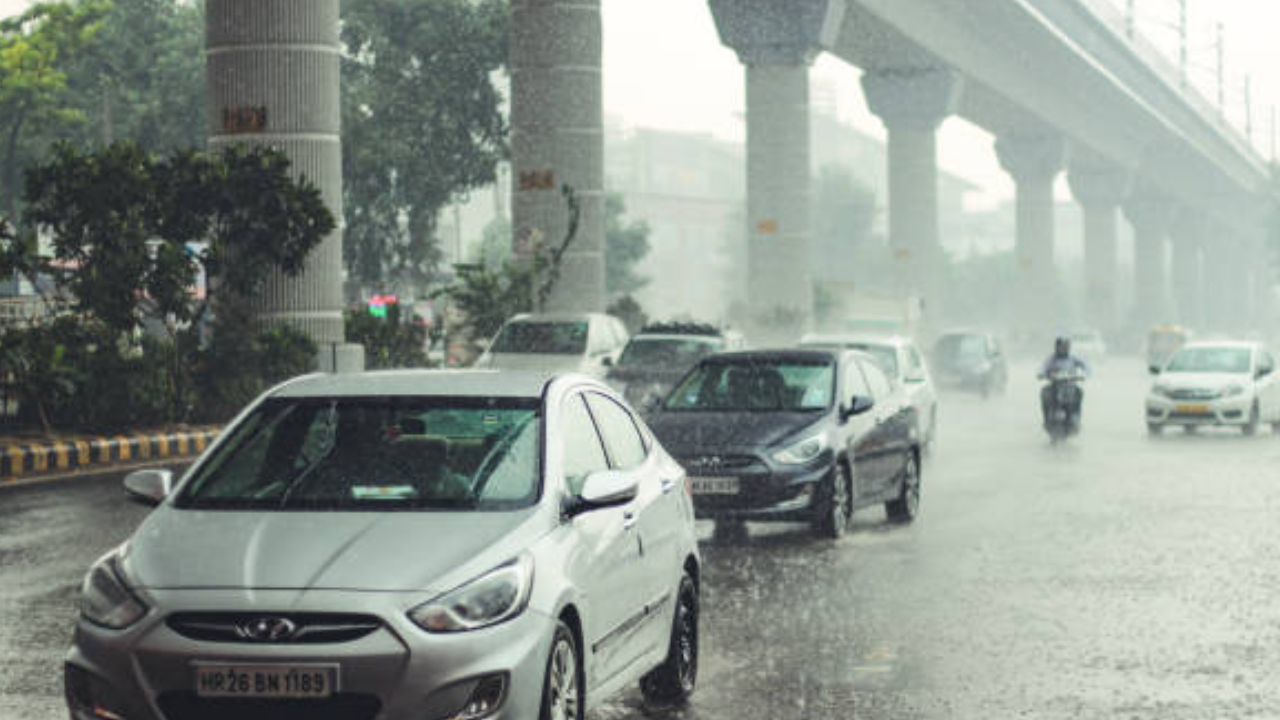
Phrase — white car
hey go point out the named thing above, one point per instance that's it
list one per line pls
(401, 545)
(903, 362)
(1216, 383)
(586, 343)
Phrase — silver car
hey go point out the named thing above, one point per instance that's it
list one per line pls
(401, 545)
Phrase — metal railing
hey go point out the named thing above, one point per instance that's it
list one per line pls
(1167, 70)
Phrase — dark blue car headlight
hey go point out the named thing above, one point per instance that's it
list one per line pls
(803, 451)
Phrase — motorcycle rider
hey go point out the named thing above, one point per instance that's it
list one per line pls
(1061, 361)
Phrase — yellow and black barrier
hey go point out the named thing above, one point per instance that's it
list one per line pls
(20, 459)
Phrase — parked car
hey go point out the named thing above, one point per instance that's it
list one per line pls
(660, 354)
(972, 361)
(1089, 345)
(793, 435)
(1216, 383)
(586, 343)
(903, 362)
(401, 545)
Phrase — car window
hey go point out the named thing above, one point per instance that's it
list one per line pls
(583, 452)
(756, 385)
(356, 453)
(644, 352)
(542, 338)
(855, 385)
(1208, 359)
(915, 363)
(1266, 362)
(621, 437)
(880, 385)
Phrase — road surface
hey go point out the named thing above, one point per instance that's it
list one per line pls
(1116, 576)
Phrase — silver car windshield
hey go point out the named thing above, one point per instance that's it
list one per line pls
(363, 454)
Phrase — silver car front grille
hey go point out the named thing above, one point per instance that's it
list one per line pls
(273, 628)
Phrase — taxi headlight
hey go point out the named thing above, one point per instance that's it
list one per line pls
(498, 595)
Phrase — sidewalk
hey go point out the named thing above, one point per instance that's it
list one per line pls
(27, 457)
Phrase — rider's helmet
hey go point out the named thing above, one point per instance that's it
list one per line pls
(1062, 346)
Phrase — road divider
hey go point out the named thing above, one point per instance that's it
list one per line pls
(24, 459)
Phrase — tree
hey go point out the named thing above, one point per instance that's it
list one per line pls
(126, 224)
(142, 78)
(626, 244)
(422, 122)
(844, 214)
(130, 234)
(486, 296)
(36, 48)
(395, 341)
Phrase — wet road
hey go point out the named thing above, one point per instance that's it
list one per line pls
(1115, 576)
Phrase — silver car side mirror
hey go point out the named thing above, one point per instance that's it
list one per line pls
(149, 487)
(605, 489)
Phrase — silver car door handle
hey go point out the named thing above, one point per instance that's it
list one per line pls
(629, 520)
(668, 485)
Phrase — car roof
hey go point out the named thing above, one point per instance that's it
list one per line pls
(1240, 344)
(555, 317)
(422, 383)
(675, 336)
(800, 354)
(856, 339)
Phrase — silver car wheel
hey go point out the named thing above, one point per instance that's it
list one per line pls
(562, 681)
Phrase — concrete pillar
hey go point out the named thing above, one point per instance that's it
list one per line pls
(777, 41)
(1187, 235)
(1219, 279)
(1152, 218)
(557, 140)
(912, 104)
(273, 76)
(1034, 160)
(1100, 188)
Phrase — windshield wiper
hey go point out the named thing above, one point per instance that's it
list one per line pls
(329, 440)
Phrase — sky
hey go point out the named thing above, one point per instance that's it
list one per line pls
(664, 67)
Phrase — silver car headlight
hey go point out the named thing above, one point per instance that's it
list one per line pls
(803, 451)
(1233, 391)
(105, 598)
(494, 597)
(1162, 391)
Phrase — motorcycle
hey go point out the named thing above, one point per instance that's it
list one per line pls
(1064, 399)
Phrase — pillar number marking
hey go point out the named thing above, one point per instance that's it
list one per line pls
(245, 119)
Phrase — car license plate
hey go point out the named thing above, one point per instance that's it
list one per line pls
(1193, 409)
(715, 486)
(216, 680)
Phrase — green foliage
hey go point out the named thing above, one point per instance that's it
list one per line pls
(395, 341)
(142, 78)
(36, 48)
(130, 234)
(38, 362)
(238, 366)
(629, 312)
(495, 243)
(486, 296)
(125, 224)
(626, 244)
(422, 124)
